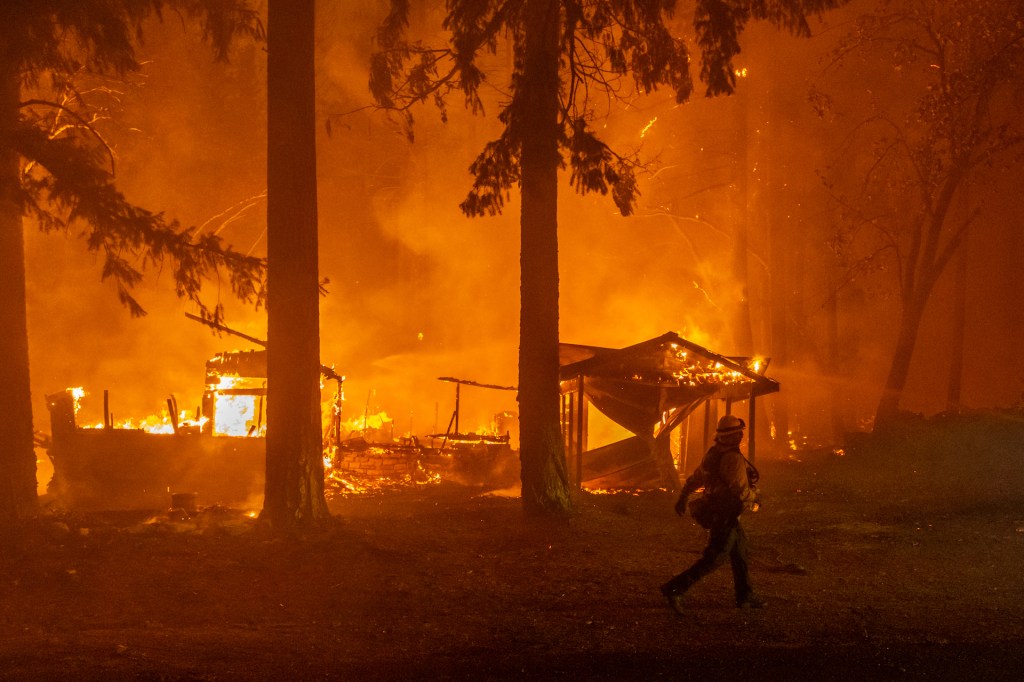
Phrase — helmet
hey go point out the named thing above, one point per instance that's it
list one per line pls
(730, 424)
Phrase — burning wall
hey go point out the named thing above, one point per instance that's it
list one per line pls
(110, 468)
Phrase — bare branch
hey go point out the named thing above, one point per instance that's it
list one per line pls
(81, 121)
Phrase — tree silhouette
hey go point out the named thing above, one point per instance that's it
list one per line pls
(954, 118)
(60, 177)
(566, 54)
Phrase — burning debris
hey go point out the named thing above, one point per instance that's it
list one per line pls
(370, 459)
(218, 453)
(499, 434)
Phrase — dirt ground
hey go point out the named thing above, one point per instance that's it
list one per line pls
(899, 559)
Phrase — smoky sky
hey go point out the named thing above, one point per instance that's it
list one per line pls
(418, 291)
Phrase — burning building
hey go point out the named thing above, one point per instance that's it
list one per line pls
(217, 456)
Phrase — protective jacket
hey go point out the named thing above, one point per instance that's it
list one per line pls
(725, 475)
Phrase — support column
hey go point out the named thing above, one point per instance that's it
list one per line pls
(581, 410)
(751, 427)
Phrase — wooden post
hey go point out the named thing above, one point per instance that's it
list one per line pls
(751, 426)
(580, 411)
(707, 423)
(107, 420)
(173, 414)
(564, 422)
(686, 444)
(457, 387)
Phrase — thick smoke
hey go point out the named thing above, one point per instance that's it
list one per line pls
(418, 291)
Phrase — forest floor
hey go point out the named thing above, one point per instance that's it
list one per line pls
(900, 559)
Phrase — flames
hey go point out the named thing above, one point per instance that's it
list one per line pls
(236, 404)
(711, 372)
(161, 423)
(237, 414)
(343, 484)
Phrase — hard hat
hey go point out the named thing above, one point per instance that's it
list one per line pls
(730, 424)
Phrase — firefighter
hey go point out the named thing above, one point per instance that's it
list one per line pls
(729, 483)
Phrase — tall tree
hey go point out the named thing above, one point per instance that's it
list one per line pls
(959, 69)
(545, 483)
(295, 467)
(566, 52)
(59, 177)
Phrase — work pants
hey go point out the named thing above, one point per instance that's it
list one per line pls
(726, 540)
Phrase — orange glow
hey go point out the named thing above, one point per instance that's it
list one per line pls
(151, 424)
(238, 405)
(236, 415)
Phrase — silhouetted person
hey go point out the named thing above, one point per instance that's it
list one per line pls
(728, 480)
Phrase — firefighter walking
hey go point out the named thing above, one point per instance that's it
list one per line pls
(729, 482)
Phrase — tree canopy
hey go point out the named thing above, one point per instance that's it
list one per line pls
(602, 46)
(67, 176)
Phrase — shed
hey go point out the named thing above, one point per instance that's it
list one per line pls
(649, 388)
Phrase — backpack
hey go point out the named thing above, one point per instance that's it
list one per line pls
(709, 509)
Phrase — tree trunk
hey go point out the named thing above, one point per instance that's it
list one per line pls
(779, 259)
(779, 324)
(833, 366)
(544, 476)
(899, 369)
(956, 355)
(17, 455)
(294, 491)
(917, 291)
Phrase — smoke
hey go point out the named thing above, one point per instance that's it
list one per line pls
(418, 291)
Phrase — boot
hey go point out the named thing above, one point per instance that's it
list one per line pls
(675, 598)
(751, 601)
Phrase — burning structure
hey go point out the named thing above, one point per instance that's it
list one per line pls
(650, 389)
(216, 456)
(235, 395)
